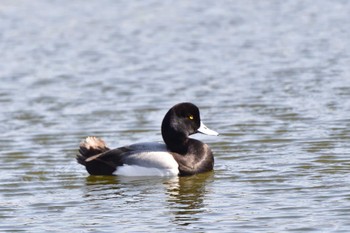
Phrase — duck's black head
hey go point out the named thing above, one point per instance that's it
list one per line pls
(182, 118)
(181, 121)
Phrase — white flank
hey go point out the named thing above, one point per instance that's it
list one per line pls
(152, 163)
(135, 170)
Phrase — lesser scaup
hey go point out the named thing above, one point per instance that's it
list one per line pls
(180, 155)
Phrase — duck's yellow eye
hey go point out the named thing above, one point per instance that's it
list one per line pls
(190, 117)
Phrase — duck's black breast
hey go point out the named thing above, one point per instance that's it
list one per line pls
(198, 158)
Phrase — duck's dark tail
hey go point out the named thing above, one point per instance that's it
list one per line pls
(90, 154)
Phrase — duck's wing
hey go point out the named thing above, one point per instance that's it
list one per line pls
(138, 154)
(130, 160)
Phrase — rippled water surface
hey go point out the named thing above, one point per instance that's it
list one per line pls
(273, 77)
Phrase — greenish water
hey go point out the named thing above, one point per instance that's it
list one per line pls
(272, 77)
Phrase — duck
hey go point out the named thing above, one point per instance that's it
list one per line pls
(178, 155)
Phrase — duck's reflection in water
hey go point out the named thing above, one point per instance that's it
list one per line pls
(186, 197)
(182, 197)
(102, 188)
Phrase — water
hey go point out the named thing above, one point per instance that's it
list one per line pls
(272, 77)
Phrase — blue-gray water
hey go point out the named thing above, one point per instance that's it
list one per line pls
(273, 77)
